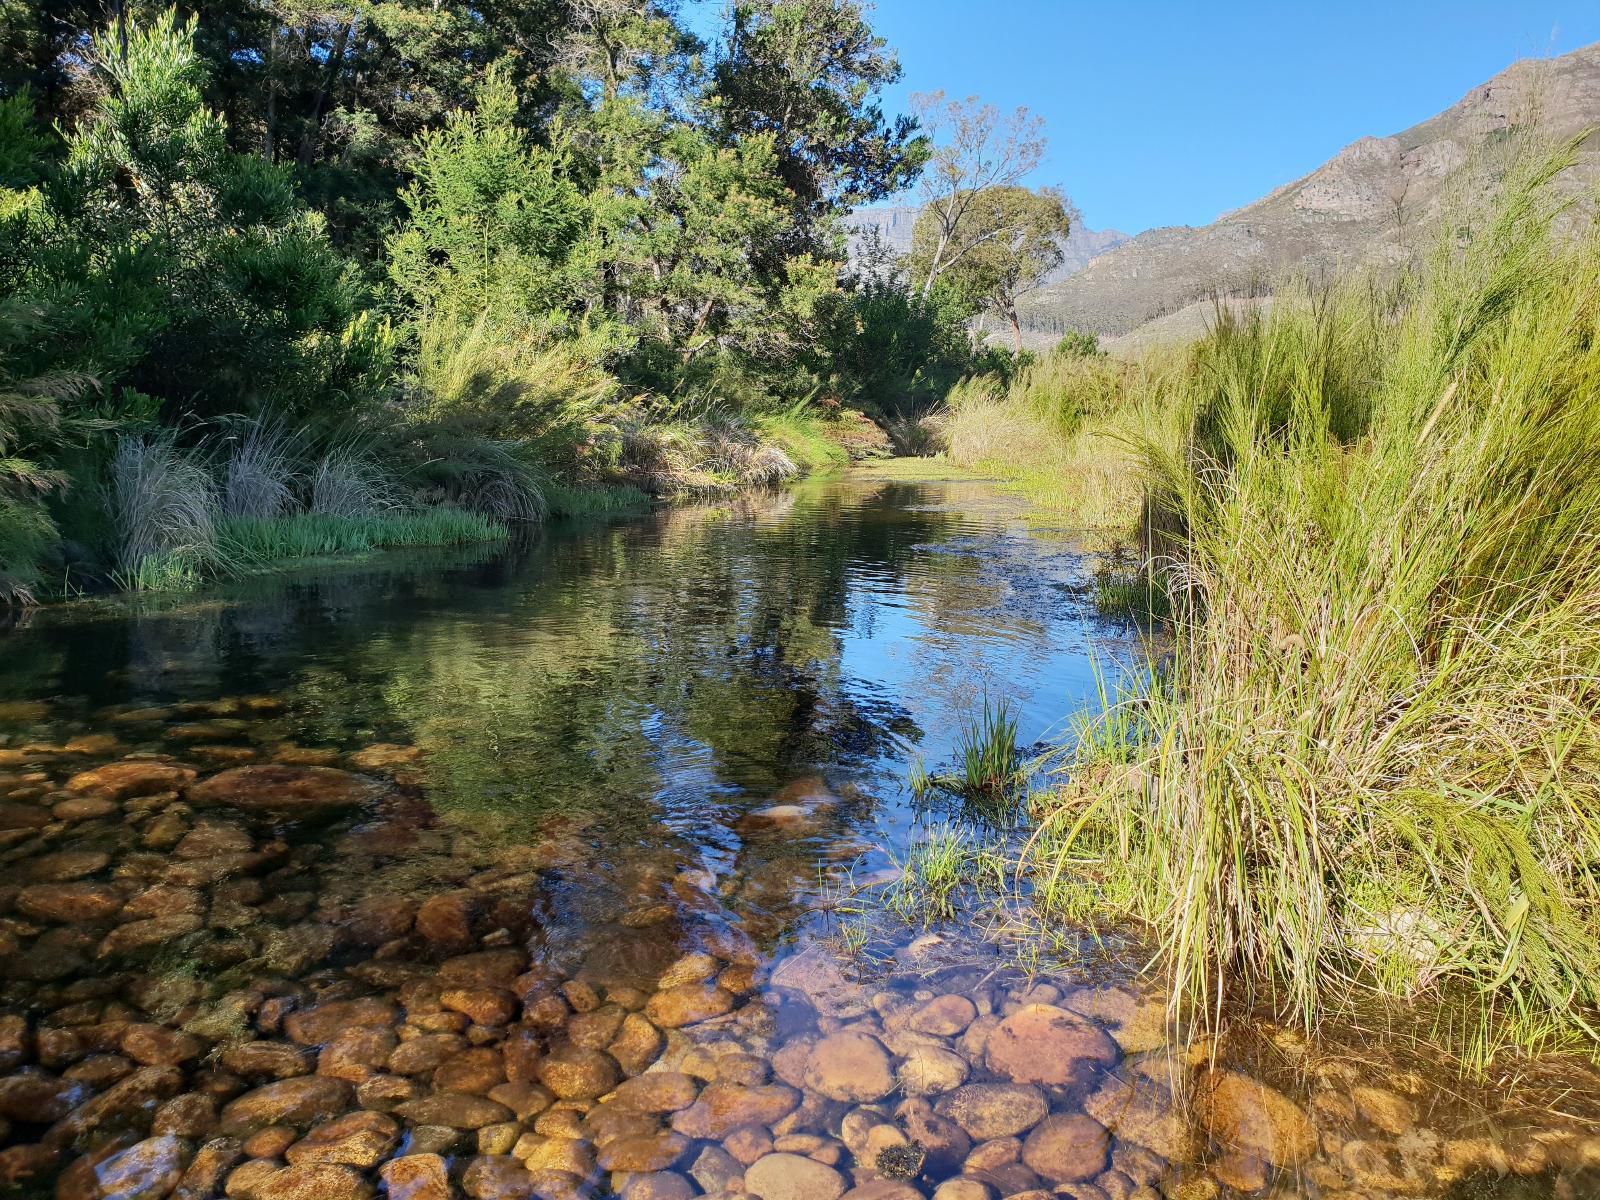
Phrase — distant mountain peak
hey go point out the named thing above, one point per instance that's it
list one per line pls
(1372, 202)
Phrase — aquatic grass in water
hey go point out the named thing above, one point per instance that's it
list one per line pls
(990, 776)
(246, 540)
(1370, 767)
(937, 867)
(990, 763)
(1132, 590)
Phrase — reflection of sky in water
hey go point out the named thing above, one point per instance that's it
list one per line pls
(1017, 632)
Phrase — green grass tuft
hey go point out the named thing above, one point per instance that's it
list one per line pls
(251, 540)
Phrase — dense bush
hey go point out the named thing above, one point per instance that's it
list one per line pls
(614, 269)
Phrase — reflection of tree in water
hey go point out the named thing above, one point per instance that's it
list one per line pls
(627, 693)
(703, 643)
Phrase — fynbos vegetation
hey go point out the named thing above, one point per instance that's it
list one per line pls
(526, 260)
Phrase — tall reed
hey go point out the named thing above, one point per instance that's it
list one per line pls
(1372, 761)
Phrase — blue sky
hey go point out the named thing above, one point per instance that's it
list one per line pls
(1172, 113)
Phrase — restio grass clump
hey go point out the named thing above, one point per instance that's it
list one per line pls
(183, 516)
(990, 773)
(1368, 761)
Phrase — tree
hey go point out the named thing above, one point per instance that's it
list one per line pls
(975, 149)
(177, 266)
(623, 44)
(807, 74)
(1013, 239)
(491, 218)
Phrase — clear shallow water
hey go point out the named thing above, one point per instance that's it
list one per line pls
(578, 760)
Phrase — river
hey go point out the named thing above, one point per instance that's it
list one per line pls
(528, 870)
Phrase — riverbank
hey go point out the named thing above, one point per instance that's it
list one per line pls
(1364, 770)
(177, 518)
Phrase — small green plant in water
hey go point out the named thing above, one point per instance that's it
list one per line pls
(1124, 591)
(990, 775)
(990, 763)
(173, 572)
(937, 869)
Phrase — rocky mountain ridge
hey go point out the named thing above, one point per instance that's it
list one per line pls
(1376, 201)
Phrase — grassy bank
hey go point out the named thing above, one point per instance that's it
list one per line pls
(251, 496)
(1066, 434)
(306, 535)
(1368, 764)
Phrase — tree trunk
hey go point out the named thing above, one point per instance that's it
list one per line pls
(933, 265)
(690, 347)
(313, 134)
(269, 138)
(1016, 328)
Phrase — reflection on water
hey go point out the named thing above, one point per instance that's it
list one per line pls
(389, 876)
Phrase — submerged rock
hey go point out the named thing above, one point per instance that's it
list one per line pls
(1042, 1044)
(416, 1177)
(286, 790)
(1243, 1114)
(687, 1004)
(850, 1066)
(299, 1102)
(1067, 1149)
(147, 1170)
(70, 902)
(129, 778)
(792, 1177)
(986, 1111)
(722, 1108)
(573, 1073)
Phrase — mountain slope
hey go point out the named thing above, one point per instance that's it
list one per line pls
(1375, 201)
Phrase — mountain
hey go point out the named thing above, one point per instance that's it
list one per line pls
(894, 224)
(1376, 201)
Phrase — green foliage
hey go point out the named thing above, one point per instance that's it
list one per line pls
(1077, 343)
(24, 148)
(491, 218)
(180, 267)
(1012, 238)
(1369, 764)
(887, 347)
(806, 73)
(199, 202)
(254, 540)
(30, 428)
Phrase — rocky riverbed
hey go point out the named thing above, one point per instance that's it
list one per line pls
(524, 877)
(240, 967)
